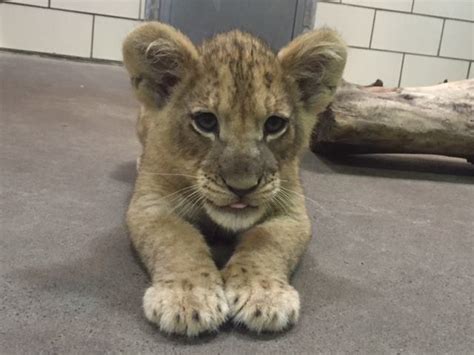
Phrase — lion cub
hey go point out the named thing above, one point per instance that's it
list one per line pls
(222, 127)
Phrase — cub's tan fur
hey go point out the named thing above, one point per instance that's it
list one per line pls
(190, 180)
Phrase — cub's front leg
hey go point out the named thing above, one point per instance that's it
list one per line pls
(186, 295)
(257, 276)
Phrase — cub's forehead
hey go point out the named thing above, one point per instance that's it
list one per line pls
(241, 71)
(229, 47)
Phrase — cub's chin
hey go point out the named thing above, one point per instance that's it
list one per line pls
(234, 219)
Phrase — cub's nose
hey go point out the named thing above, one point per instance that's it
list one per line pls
(242, 187)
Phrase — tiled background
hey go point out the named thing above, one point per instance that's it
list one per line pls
(402, 42)
(81, 28)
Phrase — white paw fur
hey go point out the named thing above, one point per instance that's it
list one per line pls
(178, 310)
(261, 304)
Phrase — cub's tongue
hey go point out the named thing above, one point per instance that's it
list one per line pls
(238, 205)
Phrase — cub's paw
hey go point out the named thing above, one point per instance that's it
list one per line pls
(186, 306)
(260, 303)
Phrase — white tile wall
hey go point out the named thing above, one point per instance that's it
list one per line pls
(109, 34)
(458, 40)
(124, 8)
(461, 9)
(31, 2)
(355, 31)
(421, 70)
(398, 5)
(364, 66)
(407, 33)
(44, 30)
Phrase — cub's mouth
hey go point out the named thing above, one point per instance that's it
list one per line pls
(235, 216)
(234, 207)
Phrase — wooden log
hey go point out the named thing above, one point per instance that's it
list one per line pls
(373, 119)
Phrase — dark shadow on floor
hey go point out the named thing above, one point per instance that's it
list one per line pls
(412, 167)
(109, 275)
(125, 172)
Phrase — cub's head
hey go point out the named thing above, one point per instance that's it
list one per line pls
(232, 112)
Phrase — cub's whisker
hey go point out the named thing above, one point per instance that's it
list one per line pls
(182, 203)
(167, 174)
(188, 203)
(175, 196)
(281, 202)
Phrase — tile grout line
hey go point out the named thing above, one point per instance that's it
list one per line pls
(140, 9)
(71, 11)
(468, 70)
(49, 3)
(92, 38)
(412, 6)
(74, 58)
(372, 31)
(409, 53)
(441, 37)
(401, 71)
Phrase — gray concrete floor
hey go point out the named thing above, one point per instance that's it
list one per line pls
(390, 268)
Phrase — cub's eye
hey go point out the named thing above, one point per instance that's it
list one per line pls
(205, 122)
(275, 125)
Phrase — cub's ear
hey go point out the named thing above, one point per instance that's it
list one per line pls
(315, 61)
(158, 57)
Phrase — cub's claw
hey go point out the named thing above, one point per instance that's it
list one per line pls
(262, 304)
(182, 307)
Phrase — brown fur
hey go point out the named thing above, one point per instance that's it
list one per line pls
(185, 174)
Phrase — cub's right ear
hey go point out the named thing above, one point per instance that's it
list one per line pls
(158, 57)
(315, 60)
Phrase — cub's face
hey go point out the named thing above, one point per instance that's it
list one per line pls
(240, 113)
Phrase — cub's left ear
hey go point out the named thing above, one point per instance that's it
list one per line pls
(315, 61)
(158, 57)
